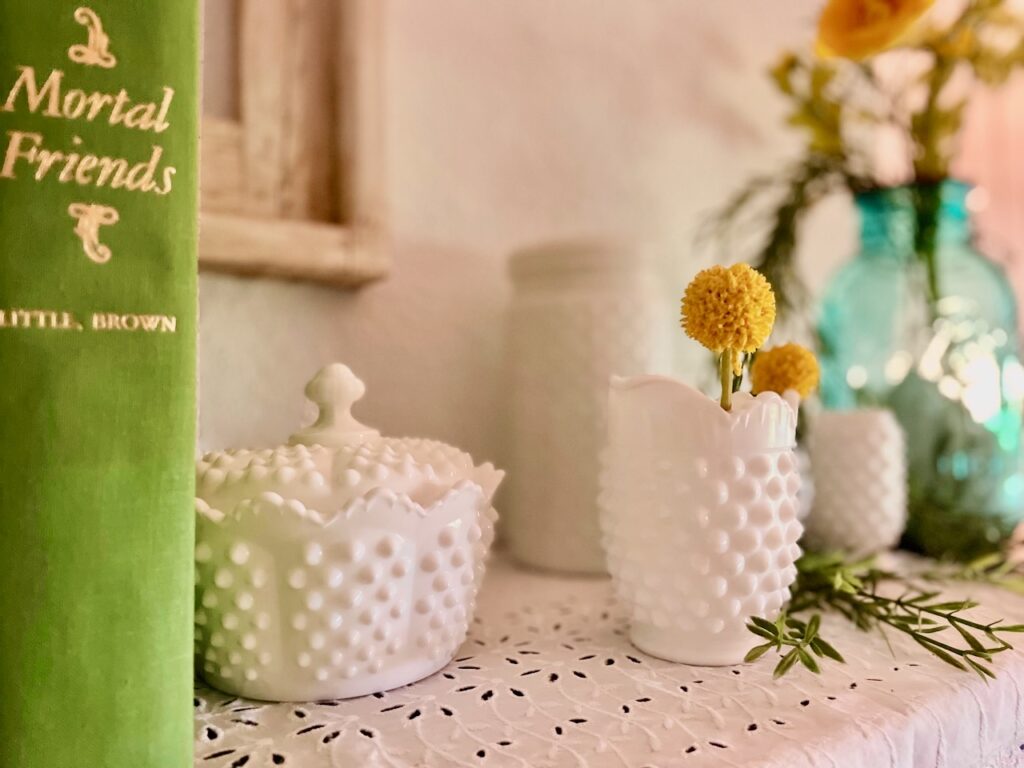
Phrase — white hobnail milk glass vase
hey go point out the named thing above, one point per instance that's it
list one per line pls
(858, 459)
(583, 311)
(699, 514)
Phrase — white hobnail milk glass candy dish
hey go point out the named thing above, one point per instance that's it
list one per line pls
(342, 564)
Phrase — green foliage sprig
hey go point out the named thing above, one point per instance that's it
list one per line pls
(801, 639)
(994, 568)
(828, 582)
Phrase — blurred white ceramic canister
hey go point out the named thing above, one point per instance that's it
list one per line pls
(699, 511)
(860, 481)
(583, 311)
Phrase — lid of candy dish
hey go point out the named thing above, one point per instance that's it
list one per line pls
(337, 460)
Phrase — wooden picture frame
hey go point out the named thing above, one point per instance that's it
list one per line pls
(294, 188)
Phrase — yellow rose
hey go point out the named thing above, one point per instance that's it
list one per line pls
(856, 29)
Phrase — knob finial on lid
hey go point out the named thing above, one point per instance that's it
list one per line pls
(335, 389)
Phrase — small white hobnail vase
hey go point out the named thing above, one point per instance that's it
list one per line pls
(860, 478)
(340, 565)
(699, 515)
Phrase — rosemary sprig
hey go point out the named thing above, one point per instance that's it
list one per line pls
(828, 582)
(800, 638)
(994, 568)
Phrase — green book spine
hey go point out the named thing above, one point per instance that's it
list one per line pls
(98, 201)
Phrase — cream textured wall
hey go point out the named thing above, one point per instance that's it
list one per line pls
(511, 121)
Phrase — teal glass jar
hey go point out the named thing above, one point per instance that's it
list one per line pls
(948, 368)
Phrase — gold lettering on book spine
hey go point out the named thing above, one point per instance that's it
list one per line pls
(96, 51)
(90, 218)
(27, 154)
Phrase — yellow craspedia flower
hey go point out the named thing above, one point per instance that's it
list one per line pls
(729, 308)
(787, 367)
(856, 29)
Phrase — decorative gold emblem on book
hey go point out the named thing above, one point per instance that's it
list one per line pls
(90, 218)
(96, 51)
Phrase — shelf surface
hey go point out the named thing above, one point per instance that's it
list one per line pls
(548, 678)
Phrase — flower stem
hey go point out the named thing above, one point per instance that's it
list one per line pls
(927, 201)
(725, 372)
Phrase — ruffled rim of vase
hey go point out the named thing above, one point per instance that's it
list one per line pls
(744, 404)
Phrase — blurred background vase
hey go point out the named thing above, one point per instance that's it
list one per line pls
(858, 465)
(948, 368)
(583, 311)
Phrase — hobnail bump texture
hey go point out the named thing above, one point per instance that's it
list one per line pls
(699, 514)
(859, 464)
(333, 572)
(805, 498)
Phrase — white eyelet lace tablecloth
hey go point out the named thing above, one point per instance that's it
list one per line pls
(548, 678)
